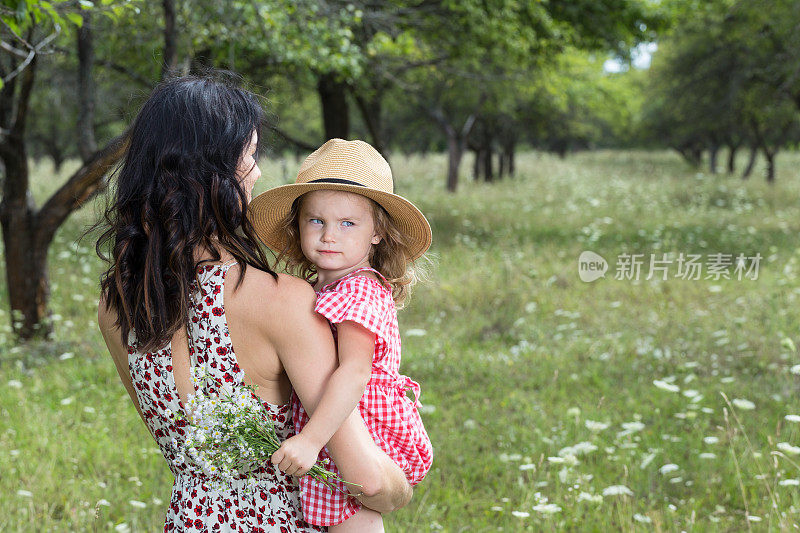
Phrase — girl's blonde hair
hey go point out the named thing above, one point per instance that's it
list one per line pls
(389, 256)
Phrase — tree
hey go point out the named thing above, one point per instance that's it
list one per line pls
(27, 229)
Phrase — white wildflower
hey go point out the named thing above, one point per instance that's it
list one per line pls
(589, 497)
(617, 490)
(792, 418)
(789, 482)
(520, 514)
(137, 504)
(707, 455)
(663, 385)
(667, 468)
(15, 384)
(527, 466)
(103, 502)
(594, 426)
(745, 405)
(24, 493)
(787, 448)
(642, 518)
(547, 508)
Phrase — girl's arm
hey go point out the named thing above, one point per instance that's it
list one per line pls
(342, 393)
(308, 354)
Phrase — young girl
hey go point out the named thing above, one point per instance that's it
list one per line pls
(341, 225)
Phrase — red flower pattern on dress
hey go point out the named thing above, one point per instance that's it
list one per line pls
(193, 505)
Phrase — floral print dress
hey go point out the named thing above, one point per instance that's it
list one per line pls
(273, 505)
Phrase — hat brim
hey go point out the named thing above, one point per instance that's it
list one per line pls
(268, 209)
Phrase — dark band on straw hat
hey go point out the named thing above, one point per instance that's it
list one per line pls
(337, 180)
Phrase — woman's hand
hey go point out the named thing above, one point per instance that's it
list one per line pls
(296, 456)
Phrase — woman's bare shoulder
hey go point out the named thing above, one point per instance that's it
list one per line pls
(283, 295)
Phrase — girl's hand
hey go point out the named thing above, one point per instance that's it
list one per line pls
(296, 455)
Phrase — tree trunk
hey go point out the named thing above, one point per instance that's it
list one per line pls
(732, 158)
(510, 156)
(476, 164)
(770, 155)
(751, 161)
(713, 151)
(170, 63)
(488, 166)
(501, 159)
(86, 141)
(371, 109)
(455, 150)
(335, 112)
(26, 263)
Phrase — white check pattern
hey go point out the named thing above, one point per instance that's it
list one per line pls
(391, 417)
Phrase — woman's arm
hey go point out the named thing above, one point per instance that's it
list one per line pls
(119, 353)
(308, 354)
(341, 395)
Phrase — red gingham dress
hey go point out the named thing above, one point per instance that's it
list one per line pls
(391, 416)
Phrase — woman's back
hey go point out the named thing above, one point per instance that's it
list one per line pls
(210, 350)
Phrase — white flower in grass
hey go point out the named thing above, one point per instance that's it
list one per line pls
(787, 448)
(789, 482)
(520, 514)
(743, 404)
(617, 490)
(667, 468)
(708, 455)
(556, 460)
(13, 453)
(103, 502)
(547, 508)
(582, 448)
(122, 528)
(792, 418)
(795, 370)
(496, 508)
(711, 440)
(15, 384)
(663, 385)
(527, 466)
(589, 497)
(629, 428)
(592, 425)
(67, 401)
(642, 518)
(754, 518)
(24, 493)
(137, 504)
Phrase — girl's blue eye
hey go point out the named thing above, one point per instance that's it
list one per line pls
(347, 223)
(315, 221)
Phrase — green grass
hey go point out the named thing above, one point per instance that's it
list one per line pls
(517, 354)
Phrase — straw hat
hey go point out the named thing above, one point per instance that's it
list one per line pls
(339, 165)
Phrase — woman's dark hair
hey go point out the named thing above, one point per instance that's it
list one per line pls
(176, 191)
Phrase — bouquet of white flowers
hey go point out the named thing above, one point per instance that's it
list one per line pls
(230, 434)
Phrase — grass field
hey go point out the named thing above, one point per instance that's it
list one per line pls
(553, 404)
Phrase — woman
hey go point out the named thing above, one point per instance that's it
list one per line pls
(188, 287)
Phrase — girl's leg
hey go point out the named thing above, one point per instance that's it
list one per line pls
(364, 521)
(383, 483)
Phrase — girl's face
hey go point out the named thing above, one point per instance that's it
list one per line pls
(248, 170)
(337, 232)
